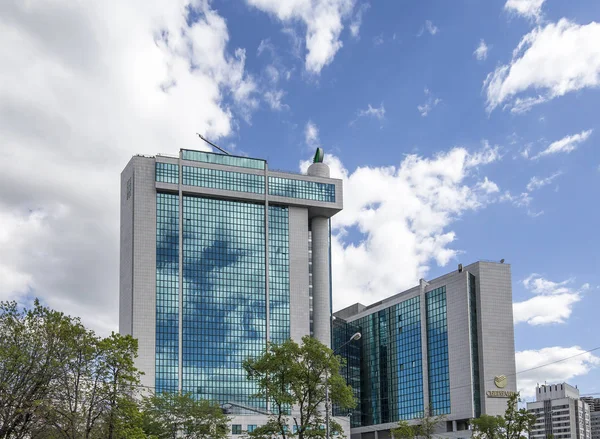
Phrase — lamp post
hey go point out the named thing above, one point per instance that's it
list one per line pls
(356, 336)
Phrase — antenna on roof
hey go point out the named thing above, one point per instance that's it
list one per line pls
(212, 144)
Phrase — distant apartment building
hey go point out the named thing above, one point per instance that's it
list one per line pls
(445, 347)
(560, 413)
(594, 404)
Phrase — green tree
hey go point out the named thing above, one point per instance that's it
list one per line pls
(424, 427)
(33, 346)
(515, 424)
(291, 375)
(59, 380)
(404, 430)
(487, 427)
(172, 415)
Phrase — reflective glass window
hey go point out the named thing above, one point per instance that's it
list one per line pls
(224, 282)
(167, 172)
(167, 293)
(225, 180)
(307, 190)
(437, 351)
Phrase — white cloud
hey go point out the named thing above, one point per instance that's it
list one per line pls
(550, 61)
(323, 20)
(488, 186)
(402, 215)
(274, 99)
(552, 302)
(537, 183)
(481, 52)
(429, 104)
(531, 9)
(429, 27)
(311, 134)
(138, 80)
(378, 40)
(357, 20)
(565, 145)
(378, 113)
(566, 363)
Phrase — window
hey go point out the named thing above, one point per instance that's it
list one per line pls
(225, 180)
(167, 172)
(307, 190)
(236, 429)
(251, 428)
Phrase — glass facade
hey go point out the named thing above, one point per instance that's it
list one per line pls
(390, 364)
(223, 296)
(224, 293)
(474, 345)
(167, 172)
(341, 333)
(226, 180)
(167, 293)
(222, 159)
(437, 352)
(307, 190)
(410, 370)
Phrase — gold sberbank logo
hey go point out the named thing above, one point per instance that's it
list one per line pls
(499, 393)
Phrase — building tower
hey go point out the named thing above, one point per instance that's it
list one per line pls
(559, 413)
(445, 346)
(215, 262)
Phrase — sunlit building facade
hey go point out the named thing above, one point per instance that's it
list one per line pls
(215, 261)
(560, 413)
(444, 347)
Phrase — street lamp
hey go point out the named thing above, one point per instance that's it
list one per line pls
(356, 336)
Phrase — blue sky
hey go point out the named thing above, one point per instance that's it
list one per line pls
(464, 130)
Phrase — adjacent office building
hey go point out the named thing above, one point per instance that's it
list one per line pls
(560, 413)
(220, 254)
(445, 347)
(594, 405)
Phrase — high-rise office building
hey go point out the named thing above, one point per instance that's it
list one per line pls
(560, 413)
(594, 405)
(220, 254)
(445, 347)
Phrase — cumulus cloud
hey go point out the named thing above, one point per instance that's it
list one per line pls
(324, 21)
(537, 183)
(72, 115)
(565, 145)
(429, 104)
(567, 363)
(481, 52)
(549, 62)
(552, 302)
(531, 9)
(402, 216)
(431, 28)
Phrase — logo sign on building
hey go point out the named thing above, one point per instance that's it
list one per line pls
(500, 381)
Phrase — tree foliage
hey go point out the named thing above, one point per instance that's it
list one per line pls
(424, 427)
(515, 424)
(294, 379)
(171, 416)
(59, 380)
